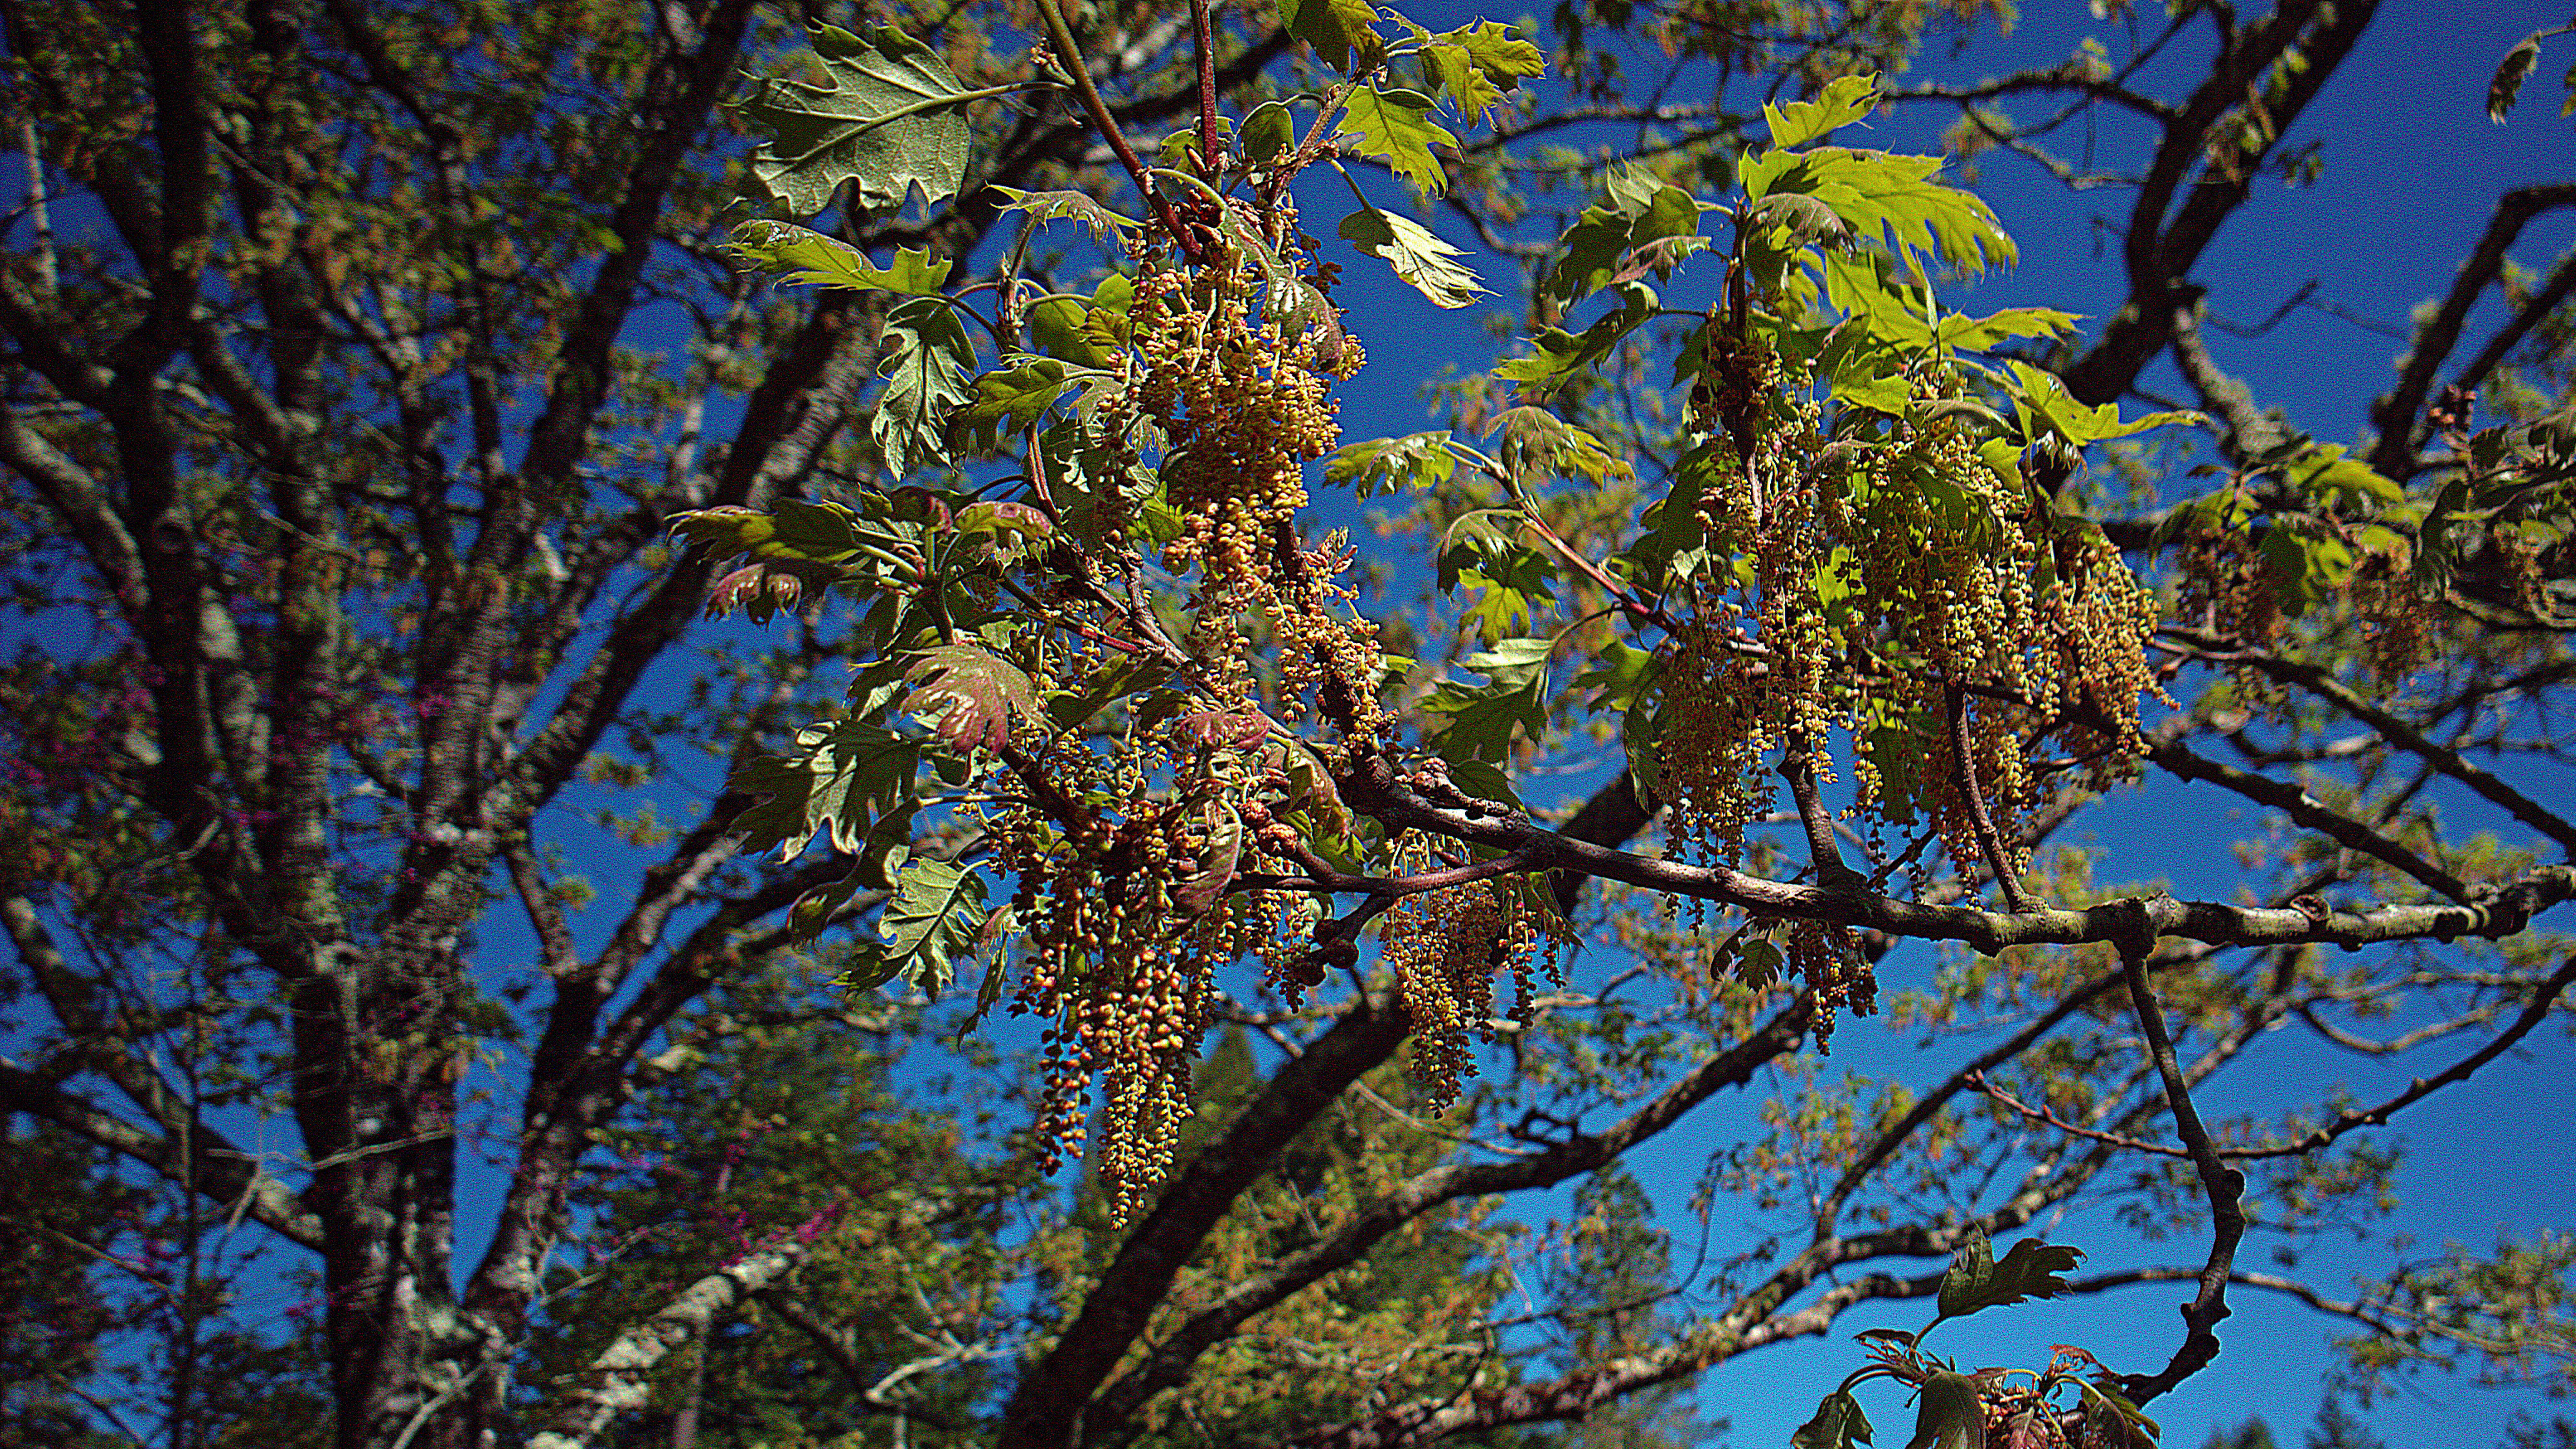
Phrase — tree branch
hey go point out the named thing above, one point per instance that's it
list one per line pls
(616, 1378)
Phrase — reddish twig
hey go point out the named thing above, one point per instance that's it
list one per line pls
(1204, 34)
(1061, 36)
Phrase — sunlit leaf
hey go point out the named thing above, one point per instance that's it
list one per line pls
(1396, 127)
(802, 255)
(886, 115)
(1474, 67)
(1267, 133)
(1533, 444)
(1845, 99)
(1392, 465)
(1636, 212)
(1419, 258)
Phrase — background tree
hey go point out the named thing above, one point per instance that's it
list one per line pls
(361, 359)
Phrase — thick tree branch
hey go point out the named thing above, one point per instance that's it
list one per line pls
(2398, 413)
(1172, 1358)
(617, 1378)
(195, 1154)
(2224, 1185)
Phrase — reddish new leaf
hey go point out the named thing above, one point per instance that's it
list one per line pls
(970, 695)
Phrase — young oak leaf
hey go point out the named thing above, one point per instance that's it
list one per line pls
(970, 695)
(802, 256)
(1046, 206)
(927, 357)
(1396, 127)
(936, 915)
(2031, 1269)
(888, 115)
(1838, 1424)
(1421, 259)
(1844, 101)
(1474, 66)
(1951, 1414)
(1337, 28)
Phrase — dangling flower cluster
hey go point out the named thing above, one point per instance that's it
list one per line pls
(1443, 946)
(2397, 624)
(1828, 959)
(1126, 923)
(1242, 405)
(1902, 590)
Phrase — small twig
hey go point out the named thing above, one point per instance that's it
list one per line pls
(1201, 31)
(1061, 36)
(1988, 840)
(2224, 1185)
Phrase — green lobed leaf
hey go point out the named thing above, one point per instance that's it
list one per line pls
(1637, 212)
(2044, 406)
(1420, 259)
(1838, 1424)
(887, 115)
(1396, 127)
(835, 780)
(1509, 581)
(2326, 471)
(1844, 100)
(936, 915)
(1949, 1414)
(1534, 444)
(1044, 206)
(1562, 355)
(1475, 66)
(1482, 719)
(1337, 29)
(1977, 1282)
(1391, 465)
(928, 356)
(803, 256)
(1021, 393)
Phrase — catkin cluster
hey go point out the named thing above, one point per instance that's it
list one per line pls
(1443, 946)
(1242, 405)
(1125, 923)
(1904, 592)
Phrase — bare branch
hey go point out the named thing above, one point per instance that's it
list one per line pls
(2224, 1185)
(196, 1154)
(2398, 413)
(617, 1378)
